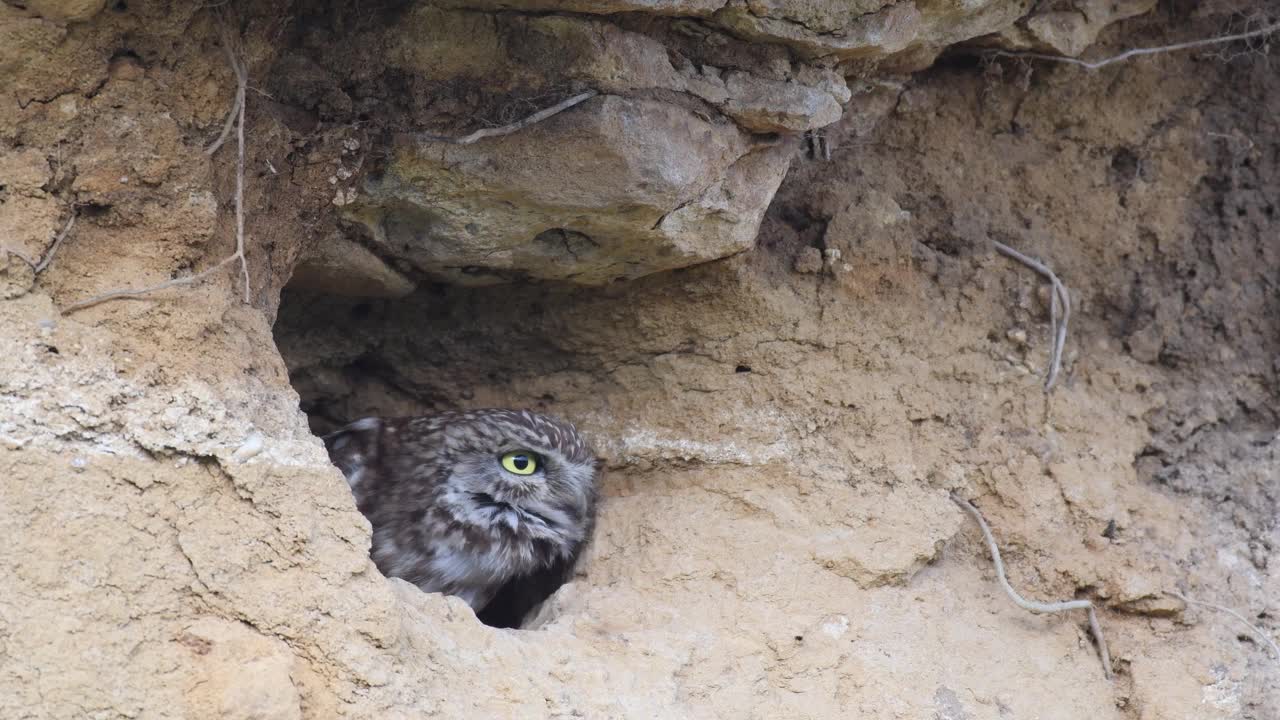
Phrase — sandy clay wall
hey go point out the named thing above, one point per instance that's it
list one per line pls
(751, 257)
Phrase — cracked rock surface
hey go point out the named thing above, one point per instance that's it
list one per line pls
(671, 165)
(782, 428)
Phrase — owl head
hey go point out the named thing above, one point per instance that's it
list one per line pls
(518, 469)
(511, 471)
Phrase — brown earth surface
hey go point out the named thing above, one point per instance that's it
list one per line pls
(783, 428)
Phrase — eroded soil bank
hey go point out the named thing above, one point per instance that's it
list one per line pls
(783, 427)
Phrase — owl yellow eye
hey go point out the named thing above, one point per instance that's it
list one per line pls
(520, 462)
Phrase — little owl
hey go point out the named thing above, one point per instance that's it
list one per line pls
(494, 506)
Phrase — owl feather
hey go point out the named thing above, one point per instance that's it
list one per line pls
(493, 506)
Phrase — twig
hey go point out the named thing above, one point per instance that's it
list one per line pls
(513, 127)
(176, 282)
(1059, 304)
(242, 82)
(1269, 29)
(227, 127)
(30, 263)
(236, 115)
(1032, 605)
(57, 242)
(1221, 608)
(39, 266)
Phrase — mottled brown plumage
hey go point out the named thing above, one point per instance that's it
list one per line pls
(494, 506)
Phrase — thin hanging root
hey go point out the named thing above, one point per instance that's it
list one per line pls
(57, 243)
(39, 266)
(1033, 605)
(9, 251)
(1206, 42)
(1222, 608)
(513, 127)
(139, 292)
(1059, 309)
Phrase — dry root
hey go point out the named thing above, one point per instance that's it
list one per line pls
(39, 266)
(1059, 310)
(1032, 605)
(1137, 52)
(1221, 608)
(513, 127)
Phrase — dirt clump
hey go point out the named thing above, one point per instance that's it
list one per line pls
(782, 428)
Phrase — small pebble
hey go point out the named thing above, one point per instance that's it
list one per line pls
(253, 444)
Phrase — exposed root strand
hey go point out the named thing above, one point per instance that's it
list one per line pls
(242, 78)
(57, 242)
(39, 266)
(139, 292)
(242, 81)
(1222, 608)
(1059, 310)
(1137, 52)
(1032, 605)
(30, 263)
(227, 126)
(513, 127)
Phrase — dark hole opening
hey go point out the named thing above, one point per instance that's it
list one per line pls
(443, 348)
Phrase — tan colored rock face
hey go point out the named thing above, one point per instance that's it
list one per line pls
(612, 188)
(782, 428)
(342, 267)
(29, 218)
(1070, 32)
(883, 29)
(859, 30)
(663, 170)
(639, 181)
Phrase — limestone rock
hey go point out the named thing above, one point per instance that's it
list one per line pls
(66, 10)
(879, 30)
(573, 50)
(694, 8)
(846, 30)
(611, 188)
(342, 267)
(663, 170)
(1070, 31)
(770, 106)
